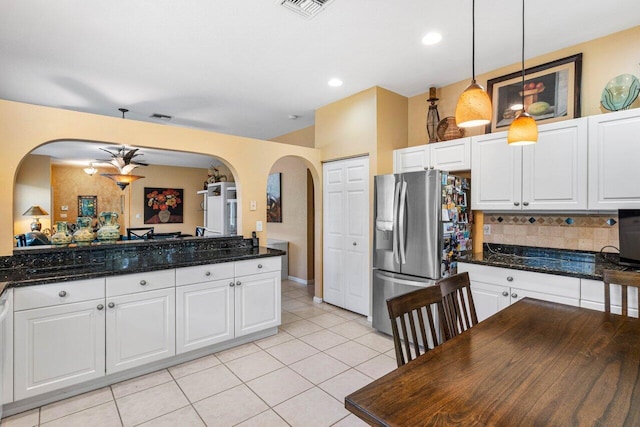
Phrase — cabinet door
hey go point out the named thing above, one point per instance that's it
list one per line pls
(489, 299)
(517, 294)
(6, 347)
(613, 160)
(496, 173)
(592, 296)
(58, 346)
(257, 302)
(554, 171)
(451, 155)
(411, 159)
(204, 314)
(140, 329)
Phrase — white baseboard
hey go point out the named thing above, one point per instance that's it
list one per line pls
(298, 280)
(317, 300)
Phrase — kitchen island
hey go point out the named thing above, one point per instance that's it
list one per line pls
(83, 317)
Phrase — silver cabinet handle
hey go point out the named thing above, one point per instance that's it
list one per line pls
(514, 295)
(516, 203)
(100, 307)
(111, 305)
(208, 273)
(355, 244)
(232, 284)
(62, 294)
(525, 203)
(432, 167)
(505, 293)
(238, 283)
(509, 279)
(143, 282)
(259, 265)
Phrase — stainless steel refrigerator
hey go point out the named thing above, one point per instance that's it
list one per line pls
(422, 223)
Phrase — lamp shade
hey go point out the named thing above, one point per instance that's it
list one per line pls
(474, 107)
(121, 180)
(35, 210)
(523, 130)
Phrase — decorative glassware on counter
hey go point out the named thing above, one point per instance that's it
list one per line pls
(620, 92)
(109, 230)
(84, 234)
(61, 236)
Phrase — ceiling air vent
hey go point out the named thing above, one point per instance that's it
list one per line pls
(306, 8)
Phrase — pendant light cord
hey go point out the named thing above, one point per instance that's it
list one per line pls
(523, 110)
(473, 40)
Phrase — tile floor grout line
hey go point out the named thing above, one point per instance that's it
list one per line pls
(115, 402)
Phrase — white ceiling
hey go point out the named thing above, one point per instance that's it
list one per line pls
(242, 67)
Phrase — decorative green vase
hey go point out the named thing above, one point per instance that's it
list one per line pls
(84, 234)
(109, 228)
(61, 236)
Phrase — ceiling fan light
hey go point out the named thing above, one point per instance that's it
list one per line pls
(474, 107)
(121, 180)
(523, 130)
(90, 170)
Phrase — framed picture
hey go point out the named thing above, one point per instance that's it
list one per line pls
(88, 206)
(163, 205)
(274, 198)
(552, 93)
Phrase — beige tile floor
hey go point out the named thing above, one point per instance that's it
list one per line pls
(298, 377)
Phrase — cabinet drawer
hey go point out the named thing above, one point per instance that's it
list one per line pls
(260, 265)
(204, 273)
(563, 286)
(57, 293)
(140, 282)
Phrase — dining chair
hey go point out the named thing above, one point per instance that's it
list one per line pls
(137, 233)
(417, 309)
(625, 279)
(457, 300)
(21, 240)
(200, 231)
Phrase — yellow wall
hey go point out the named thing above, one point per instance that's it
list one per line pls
(33, 189)
(391, 128)
(304, 137)
(293, 227)
(25, 127)
(602, 59)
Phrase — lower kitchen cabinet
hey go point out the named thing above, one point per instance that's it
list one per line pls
(58, 346)
(592, 296)
(257, 302)
(140, 328)
(495, 288)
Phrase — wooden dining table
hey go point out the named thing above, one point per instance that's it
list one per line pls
(534, 363)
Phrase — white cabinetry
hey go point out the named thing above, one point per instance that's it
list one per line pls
(218, 302)
(549, 175)
(614, 156)
(449, 156)
(140, 319)
(495, 288)
(6, 348)
(592, 296)
(59, 336)
(346, 234)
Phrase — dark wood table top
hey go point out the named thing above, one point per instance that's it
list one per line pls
(534, 363)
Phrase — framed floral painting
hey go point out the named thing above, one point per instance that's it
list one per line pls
(163, 205)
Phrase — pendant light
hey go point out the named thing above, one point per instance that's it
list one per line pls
(474, 105)
(523, 130)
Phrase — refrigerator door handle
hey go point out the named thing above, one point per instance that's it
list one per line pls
(396, 198)
(401, 242)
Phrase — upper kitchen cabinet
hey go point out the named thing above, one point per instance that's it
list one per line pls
(449, 156)
(614, 155)
(550, 175)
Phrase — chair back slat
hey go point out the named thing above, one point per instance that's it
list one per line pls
(457, 301)
(624, 279)
(418, 329)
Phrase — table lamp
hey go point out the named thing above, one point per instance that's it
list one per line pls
(35, 211)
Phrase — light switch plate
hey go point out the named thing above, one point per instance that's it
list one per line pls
(258, 225)
(63, 215)
(253, 205)
(487, 229)
(64, 208)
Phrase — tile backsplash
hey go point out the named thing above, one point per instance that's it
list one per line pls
(582, 232)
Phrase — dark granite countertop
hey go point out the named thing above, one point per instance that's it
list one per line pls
(562, 262)
(44, 264)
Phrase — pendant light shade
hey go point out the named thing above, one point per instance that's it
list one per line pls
(523, 130)
(121, 180)
(474, 105)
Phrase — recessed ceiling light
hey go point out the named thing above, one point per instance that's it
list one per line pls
(431, 38)
(335, 82)
(293, 116)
